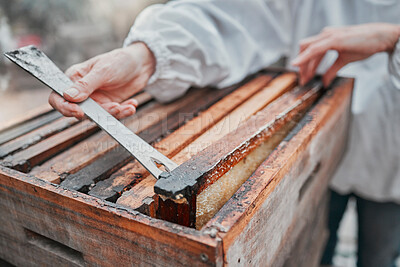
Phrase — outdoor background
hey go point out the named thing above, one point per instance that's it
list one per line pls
(69, 32)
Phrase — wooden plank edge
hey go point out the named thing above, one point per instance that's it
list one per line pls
(207, 166)
(146, 196)
(117, 157)
(14, 122)
(47, 130)
(70, 203)
(173, 143)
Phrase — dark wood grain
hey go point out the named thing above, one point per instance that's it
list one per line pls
(35, 136)
(83, 153)
(26, 159)
(27, 126)
(36, 154)
(18, 120)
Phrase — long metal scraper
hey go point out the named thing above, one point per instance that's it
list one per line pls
(40, 66)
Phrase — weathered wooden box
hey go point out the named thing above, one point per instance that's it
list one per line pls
(263, 153)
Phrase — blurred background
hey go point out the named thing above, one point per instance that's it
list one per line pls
(68, 31)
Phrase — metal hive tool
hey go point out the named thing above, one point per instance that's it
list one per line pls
(41, 67)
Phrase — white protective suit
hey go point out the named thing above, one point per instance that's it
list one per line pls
(220, 42)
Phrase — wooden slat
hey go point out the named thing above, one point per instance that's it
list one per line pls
(57, 167)
(82, 154)
(35, 136)
(202, 170)
(143, 98)
(25, 127)
(273, 90)
(115, 159)
(149, 130)
(141, 197)
(34, 155)
(232, 121)
(86, 153)
(132, 173)
(112, 160)
(72, 160)
(28, 158)
(13, 122)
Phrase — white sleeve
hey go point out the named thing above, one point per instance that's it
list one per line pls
(394, 66)
(208, 42)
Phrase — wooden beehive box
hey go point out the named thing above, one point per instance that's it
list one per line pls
(256, 161)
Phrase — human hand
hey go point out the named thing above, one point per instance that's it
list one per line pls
(352, 43)
(108, 79)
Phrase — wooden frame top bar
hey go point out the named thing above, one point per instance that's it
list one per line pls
(190, 177)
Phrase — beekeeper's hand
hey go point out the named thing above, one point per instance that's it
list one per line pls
(352, 43)
(110, 79)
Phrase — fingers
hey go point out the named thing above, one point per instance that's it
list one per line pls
(84, 87)
(309, 59)
(126, 112)
(307, 71)
(330, 74)
(125, 109)
(302, 74)
(130, 102)
(313, 50)
(314, 65)
(128, 108)
(64, 107)
(305, 43)
(112, 107)
(68, 109)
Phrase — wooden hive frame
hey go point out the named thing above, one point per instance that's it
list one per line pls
(74, 197)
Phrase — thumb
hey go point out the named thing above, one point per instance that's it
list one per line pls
(84, 87)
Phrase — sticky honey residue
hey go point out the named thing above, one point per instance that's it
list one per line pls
(216, 195)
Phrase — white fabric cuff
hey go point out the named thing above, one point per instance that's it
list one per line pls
(159, 84)
(154, 43)
(394, 65)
